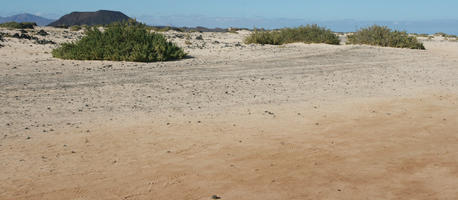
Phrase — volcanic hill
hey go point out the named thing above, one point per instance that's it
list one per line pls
(101, 17)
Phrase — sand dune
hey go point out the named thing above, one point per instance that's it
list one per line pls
(237, 121)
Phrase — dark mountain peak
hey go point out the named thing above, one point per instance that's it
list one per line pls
(109, 11)
(101, 17)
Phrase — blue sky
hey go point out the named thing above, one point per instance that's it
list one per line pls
(298, 9)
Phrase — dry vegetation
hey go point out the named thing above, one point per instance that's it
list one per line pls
(16, 25)
(126, 41)
(307, 34)
(385, 37)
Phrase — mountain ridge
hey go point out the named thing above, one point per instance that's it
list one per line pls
(27, 17)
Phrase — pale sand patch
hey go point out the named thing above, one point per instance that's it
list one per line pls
(241, 122)
(383, 149)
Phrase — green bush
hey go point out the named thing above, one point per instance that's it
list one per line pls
(160, 29)
(126, 41)
(420, 34)
(385, 37)
(22, 25)
(233, 30)
(307, 34)
(75, 28)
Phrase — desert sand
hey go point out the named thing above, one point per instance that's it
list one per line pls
(297, 121)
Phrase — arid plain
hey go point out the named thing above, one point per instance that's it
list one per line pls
(297, 121)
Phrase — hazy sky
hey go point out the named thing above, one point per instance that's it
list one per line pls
(301, 9)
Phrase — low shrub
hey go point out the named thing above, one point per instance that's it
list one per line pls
(385, 37)
(160, 29)
(233, 30)
(85, 27)
(16, 25)
(38, 41)
(307, 34)
(75, 28)
(121, 41)
(421, 34)
(445, 35)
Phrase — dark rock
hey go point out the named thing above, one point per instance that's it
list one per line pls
(215, 197)
(28, 37)
(45, 42)
(22, 36)
(268, 112)
(42, 33)
(199, 37)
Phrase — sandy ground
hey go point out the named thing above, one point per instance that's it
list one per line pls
(237, 121)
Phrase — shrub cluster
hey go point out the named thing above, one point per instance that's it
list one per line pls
(420, 34)
(445, 35)
(121, 41)
(75, 28)
(167, 28)
(385, 37)
(306, 34)
(16, 25)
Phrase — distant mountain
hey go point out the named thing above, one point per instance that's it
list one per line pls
(101, 17)
(41, 21)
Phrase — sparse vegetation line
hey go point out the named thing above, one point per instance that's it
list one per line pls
(306, 34)
(121, 41)
(75, 28)
(16, 25)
